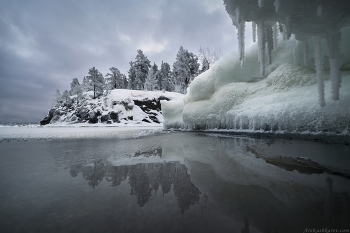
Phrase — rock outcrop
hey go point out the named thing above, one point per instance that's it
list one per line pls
(116, 106)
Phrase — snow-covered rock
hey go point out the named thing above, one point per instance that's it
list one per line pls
(117, 106)
(284, 99)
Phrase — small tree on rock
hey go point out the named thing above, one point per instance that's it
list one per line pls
(56, 101)
(114, 79)
(96, 82)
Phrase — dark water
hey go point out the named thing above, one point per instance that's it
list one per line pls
(176, 182)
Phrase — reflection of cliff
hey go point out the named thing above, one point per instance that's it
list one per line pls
(146, 179)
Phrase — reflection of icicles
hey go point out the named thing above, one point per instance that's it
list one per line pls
(333, 50)
(261, 45)
(288, 27)
(254, 31)
(269, 40)
(277, 4)
(284, 32)
(306, 52)
(319, 71)
(319, 10)
(280, 27)
(241, 30)
(261, 3)
(275, 35)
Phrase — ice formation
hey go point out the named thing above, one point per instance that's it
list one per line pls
(305, 19)
(319, 70)
(312, 56)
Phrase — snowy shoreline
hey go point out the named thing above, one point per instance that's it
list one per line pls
(99, 130)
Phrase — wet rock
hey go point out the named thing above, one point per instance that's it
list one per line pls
(105, 118)
(83, 114)
(48, 117)
(93, 116)
(114, 116)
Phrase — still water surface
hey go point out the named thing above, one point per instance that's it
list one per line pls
(175, 182)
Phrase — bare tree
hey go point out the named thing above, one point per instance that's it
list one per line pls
(211, 55)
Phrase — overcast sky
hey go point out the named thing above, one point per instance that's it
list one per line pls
(44, 44)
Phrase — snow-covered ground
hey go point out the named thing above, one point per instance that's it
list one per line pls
(76, 132)
(284, 100)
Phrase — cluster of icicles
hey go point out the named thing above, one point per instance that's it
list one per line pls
(267, 40)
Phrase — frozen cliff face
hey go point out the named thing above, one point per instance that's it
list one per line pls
(229, 97)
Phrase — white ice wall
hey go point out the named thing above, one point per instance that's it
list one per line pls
(286, 98)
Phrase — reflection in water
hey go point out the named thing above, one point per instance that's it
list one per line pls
(222, 184)
(245, 229)
(145, 179)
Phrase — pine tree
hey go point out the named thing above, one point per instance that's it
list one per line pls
(124, 81)
(66, 98)
(132, 77)
(154, 74)
(86, 85)
(205, 65)
(185, 68)
(96, 81)
(165, 73)
(56, 101)
(150, 82)
(194, 65)
(142, 65)
(114, 79)
(73, 86)
(80, 94)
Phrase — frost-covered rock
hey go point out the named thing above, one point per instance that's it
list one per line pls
(285, 98)
(117, 106)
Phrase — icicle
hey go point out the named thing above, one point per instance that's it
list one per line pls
(306, 52)
(261, 3)
(284, 33)
(261, 46)
(275, 35)
(319, 10)
(288, 27)
(241, 33)
(277, 4)
(333, 53)
(269, 40)
(319, 71)
(238, 15)
(254, 31)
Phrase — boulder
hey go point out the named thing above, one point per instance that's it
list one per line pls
(105, 118)
(93, 117)
(47, 118)
(114, 116)
(83, 114)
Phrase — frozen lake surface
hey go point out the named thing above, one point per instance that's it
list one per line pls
(110, 179)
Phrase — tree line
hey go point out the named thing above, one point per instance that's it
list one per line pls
(143, 76)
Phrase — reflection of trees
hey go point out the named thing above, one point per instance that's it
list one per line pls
(94, 174)
(187, 194)
(144, 178)
(140, 184)
(117, 174)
